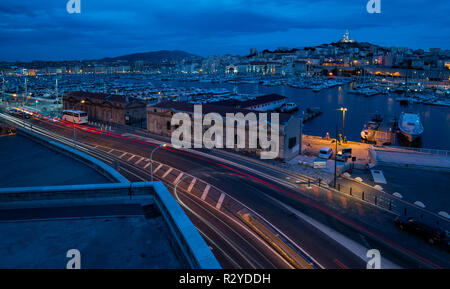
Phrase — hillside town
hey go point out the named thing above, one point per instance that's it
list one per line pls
(345, 57)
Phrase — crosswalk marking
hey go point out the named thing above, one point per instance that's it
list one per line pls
(205, 192)
(147, 165)
(110, 151)
(167, 173)
(219, 203)
(140, 160)
(160, 166)
(132, 156)
(191, 185)
(123, 155)
(178, 178)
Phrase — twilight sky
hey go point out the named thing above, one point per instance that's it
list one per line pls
(32, 30)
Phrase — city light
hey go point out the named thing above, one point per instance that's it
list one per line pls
(206, 136)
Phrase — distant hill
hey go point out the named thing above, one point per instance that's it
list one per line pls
(154, 56)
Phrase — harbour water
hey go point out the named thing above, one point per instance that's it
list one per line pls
(435, 119)
(360, 109)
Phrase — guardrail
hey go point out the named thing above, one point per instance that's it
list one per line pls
(391, 203)
(438, 152)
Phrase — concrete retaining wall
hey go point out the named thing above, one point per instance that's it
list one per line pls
(194, 248)
(192, 244)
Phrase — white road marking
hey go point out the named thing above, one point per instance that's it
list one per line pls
(352, 246)
(132, 156)
(110, 151)
(205, 192)
(140, 160)
(147, 165)
(160, 166)
(178, 178)
(167, 173)
(123, 155)
(194, 180)
(219, 203)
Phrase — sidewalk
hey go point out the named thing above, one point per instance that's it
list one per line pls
(408, 158)
(313, 144)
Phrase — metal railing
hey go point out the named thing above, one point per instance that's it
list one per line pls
(437, 152)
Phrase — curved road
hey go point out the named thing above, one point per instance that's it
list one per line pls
(326, 229)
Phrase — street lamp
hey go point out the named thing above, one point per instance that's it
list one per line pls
(151, 159)
(343, 109)
(73, 124)
(335, 157)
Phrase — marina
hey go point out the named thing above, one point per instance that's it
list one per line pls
(313, 98)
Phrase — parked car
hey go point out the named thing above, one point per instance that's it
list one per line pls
(347, 152)
(340, 157)
(325, 153)
(344, 154)
(430, 232)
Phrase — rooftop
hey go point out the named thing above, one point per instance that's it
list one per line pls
(26, 163)
(262, 100)
(103, 96)
(213, 108)
(40, 237)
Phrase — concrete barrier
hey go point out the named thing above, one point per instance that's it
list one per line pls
(192, 245)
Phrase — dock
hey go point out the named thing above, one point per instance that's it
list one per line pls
(311, 113)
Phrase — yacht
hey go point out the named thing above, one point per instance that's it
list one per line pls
(410, 125)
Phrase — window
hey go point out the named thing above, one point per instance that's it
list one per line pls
(292, 142)
(168, 125)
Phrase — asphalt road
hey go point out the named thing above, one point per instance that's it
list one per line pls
(266, 191)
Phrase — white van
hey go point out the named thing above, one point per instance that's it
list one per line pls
(325, 153)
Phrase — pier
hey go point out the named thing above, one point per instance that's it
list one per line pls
(311, 113)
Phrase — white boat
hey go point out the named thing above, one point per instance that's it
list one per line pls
(289, 107)
(318, 88)
(410, 125)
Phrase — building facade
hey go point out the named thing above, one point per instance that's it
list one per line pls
(106, 108)
(159, 117)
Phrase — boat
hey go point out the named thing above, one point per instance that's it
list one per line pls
(366, 91)
(289, 107)
(317, 88)
(410, 126)
(367, 132)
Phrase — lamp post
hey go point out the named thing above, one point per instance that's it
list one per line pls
(73, 124)
(343, 109)
(151, 159)
(335, 159)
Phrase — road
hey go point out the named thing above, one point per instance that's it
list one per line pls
(323, 228)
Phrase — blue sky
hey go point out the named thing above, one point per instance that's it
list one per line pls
(43, 29)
